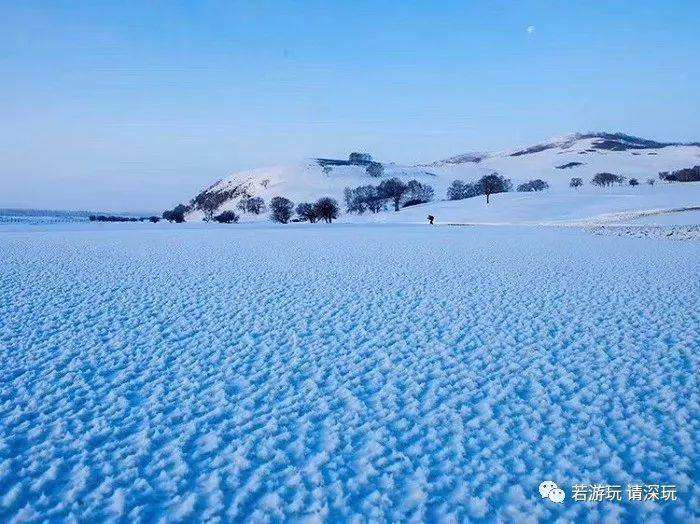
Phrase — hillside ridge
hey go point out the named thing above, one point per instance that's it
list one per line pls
(555, 161)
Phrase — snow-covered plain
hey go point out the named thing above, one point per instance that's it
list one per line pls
(384, 372)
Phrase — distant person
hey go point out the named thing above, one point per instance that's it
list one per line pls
(431, 218)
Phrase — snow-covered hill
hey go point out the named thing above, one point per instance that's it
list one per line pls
(304, 181)
(556, 162)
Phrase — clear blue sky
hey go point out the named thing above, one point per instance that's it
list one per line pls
(136, 105)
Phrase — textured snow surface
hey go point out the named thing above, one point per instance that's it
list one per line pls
(333, 372)
(683, 218)
(671, 232)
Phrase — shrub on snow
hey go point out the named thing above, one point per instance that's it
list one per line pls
(576, 182)
(533, 185)
(227, 217)
(606, 179)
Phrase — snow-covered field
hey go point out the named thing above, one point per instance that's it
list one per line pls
(384, 372)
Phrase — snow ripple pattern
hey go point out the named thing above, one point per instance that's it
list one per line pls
(344, 372)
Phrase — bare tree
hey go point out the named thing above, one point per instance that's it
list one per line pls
(393, 189)
(533, 185)
(327, 209)
(459, 190)
(417, 193)
(255, 205)
(208, 205)
(282, 209)
(493, 183)
(227, 217)
(307, 211)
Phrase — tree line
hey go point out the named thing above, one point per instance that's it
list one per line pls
(325, 209)
(282, 210)
(392, 191)
(486, 185)
(376, 198)
(689, 174)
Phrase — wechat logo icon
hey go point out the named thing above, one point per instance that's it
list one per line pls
(550, 490)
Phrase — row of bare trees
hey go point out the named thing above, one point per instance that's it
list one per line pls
(393, 190)
(324, 209)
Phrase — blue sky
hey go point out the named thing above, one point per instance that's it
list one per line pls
(136, 105)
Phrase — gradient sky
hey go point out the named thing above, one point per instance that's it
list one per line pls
(138, 105)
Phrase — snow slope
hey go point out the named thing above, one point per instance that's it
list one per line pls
(594, 153)
(682, 218)
(581, 206)
(641, 164)
(303, 182)
(201, 372)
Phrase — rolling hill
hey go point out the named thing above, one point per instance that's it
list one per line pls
(555, 161)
